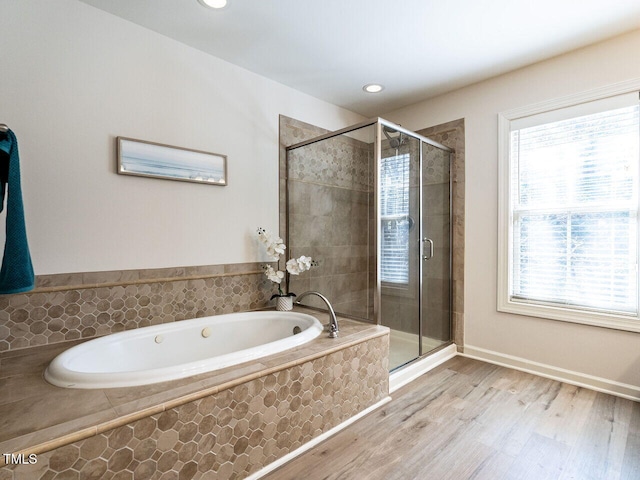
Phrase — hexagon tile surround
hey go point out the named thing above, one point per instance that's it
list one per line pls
(57, 314)
(233, 433)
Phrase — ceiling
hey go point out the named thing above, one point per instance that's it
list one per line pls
(416, 48)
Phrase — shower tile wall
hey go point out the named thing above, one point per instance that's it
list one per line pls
(450, 134)
(330, 190)
(84, 305)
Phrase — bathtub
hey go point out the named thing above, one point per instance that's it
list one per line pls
(179, 349)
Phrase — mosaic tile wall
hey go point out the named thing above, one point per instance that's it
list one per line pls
(74, 306)
(230, 434)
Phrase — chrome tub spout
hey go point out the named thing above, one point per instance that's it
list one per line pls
(333, 321)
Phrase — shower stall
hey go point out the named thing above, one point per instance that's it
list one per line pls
(371, 204)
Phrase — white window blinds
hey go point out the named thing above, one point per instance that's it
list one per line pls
(394, 217)
(574, 207)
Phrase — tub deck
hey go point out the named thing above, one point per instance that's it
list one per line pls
(36, 417)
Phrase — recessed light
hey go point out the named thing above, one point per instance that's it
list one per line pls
(214, 3)
(373, 88)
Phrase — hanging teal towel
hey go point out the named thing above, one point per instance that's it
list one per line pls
(16, 274)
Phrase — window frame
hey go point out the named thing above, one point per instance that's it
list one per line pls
(505, 234)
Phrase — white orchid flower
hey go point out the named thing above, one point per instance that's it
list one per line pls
(276, 249)
(305, 263)
(296, 266)
(292, 267)
(274, 246)
(273, 275)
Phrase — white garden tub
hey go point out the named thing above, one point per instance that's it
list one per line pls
(179, 349)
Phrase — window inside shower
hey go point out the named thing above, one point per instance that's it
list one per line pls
(395, 220)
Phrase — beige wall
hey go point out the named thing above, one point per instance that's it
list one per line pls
(74, 78)
(584, 351)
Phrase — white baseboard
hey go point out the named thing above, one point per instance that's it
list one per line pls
(599, 384)
(414, 370)
(312, 443)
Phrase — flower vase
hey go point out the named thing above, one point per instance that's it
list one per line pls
(284, 303)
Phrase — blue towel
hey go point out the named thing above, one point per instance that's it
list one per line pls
(16, 274)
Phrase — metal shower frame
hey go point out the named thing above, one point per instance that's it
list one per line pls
(380, 123)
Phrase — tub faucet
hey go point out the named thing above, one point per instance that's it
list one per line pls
(333, 321)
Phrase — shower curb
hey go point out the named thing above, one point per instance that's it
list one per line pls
(420, 367)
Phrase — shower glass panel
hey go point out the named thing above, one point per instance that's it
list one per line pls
(330, 207)
(371, 205)
(399, 197)
(436, 264)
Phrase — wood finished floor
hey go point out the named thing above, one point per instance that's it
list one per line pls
(472, 420)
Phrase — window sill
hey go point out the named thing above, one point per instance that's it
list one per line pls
(564, 314)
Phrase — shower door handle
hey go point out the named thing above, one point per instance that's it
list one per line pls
(430, 242)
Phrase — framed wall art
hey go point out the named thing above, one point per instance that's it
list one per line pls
(155, 160)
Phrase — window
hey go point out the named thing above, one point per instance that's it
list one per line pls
(394, 217)
(570, 207)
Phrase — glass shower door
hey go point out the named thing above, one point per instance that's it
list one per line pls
(436, 248)
(399, 192)
(415, 246)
